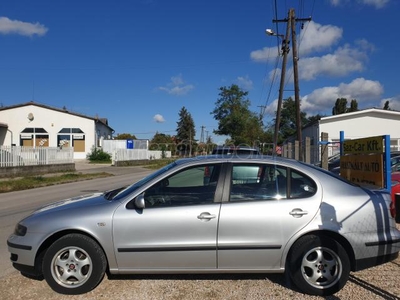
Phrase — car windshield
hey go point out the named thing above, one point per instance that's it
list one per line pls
(143, 181)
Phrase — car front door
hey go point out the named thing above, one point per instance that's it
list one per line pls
(262, 214)
(177, 228)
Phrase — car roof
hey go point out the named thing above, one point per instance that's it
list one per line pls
(237, 158)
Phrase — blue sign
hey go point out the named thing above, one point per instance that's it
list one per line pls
(129, 144)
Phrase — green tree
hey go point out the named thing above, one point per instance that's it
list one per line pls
(288, 126)
(353, 106)
(386, 106)
(125, 136)
(340, 106)
(162, 142)
(312, 119)
(185, 132)
(234, 117)
(98, 155)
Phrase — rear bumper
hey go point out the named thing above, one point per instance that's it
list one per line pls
(366, 263)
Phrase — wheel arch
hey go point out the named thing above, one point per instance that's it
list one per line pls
(333, 235)
(55, 236)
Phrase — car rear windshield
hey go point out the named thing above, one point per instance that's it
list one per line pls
(330, 173)
(230, 151)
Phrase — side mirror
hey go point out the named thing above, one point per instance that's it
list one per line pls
(139, 202)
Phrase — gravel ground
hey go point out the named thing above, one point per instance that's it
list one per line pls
(381, 282)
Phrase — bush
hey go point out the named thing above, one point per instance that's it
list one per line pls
(98, 155)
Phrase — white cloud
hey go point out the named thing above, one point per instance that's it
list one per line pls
(244, 82)
(366, 92)
(377, 3)
(394, 103)
(316, 37)
(177, 86)
(343, 61)
(264, 54)
(322, 100)
(364, 45)
(8, 26)
(335, 2)
(159, 118)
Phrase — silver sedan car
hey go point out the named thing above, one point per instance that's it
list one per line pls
(212, 215)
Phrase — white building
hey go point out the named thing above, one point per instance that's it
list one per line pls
(38, 125)
(359, 124)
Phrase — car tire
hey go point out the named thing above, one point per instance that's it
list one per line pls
(318, 265)
(74, 264)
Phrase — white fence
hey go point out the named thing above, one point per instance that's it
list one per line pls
(12, 156)
(138, 154)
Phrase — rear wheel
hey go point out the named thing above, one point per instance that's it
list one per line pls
(319, 265)
(74, 264)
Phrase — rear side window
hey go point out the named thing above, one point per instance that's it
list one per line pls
(269, 182)
(301, 186)
(258, 182)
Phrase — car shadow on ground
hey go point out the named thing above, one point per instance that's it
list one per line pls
(281, 279)
(372, 288)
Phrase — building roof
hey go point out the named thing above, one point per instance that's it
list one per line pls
(374, 112)
(64, 110)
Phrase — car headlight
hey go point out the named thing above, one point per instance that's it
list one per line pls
(20, 230)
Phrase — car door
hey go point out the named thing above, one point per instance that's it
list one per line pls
(262, 214)
(178, 227)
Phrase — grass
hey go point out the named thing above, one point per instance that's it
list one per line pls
(159, 163)
(30, 182)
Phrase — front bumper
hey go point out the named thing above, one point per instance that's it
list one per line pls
(22, 250)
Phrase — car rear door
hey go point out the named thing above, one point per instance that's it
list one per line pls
(262, 215)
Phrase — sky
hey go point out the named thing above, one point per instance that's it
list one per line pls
(138, 62)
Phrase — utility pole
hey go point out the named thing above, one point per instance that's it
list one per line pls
(285, 51)
(202, 134)
(262, 108)
(291, 25)
(296, 82)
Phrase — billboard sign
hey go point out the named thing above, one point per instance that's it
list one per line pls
(364, 146)
(363, 169)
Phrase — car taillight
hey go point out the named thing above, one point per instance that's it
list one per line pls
(207, 172)
(392, 210)
(392, 204)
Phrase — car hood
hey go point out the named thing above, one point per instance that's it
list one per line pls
(74, 202)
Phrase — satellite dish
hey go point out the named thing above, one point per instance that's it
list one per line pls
(30, 116)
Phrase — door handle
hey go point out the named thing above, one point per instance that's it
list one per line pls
(298, 213)
(206, 216)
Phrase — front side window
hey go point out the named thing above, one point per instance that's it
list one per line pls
(192, 186)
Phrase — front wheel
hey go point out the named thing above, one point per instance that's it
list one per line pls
(74, 264)
(318, 265)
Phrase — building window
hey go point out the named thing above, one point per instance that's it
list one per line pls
(72, 137)
(34, 137)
